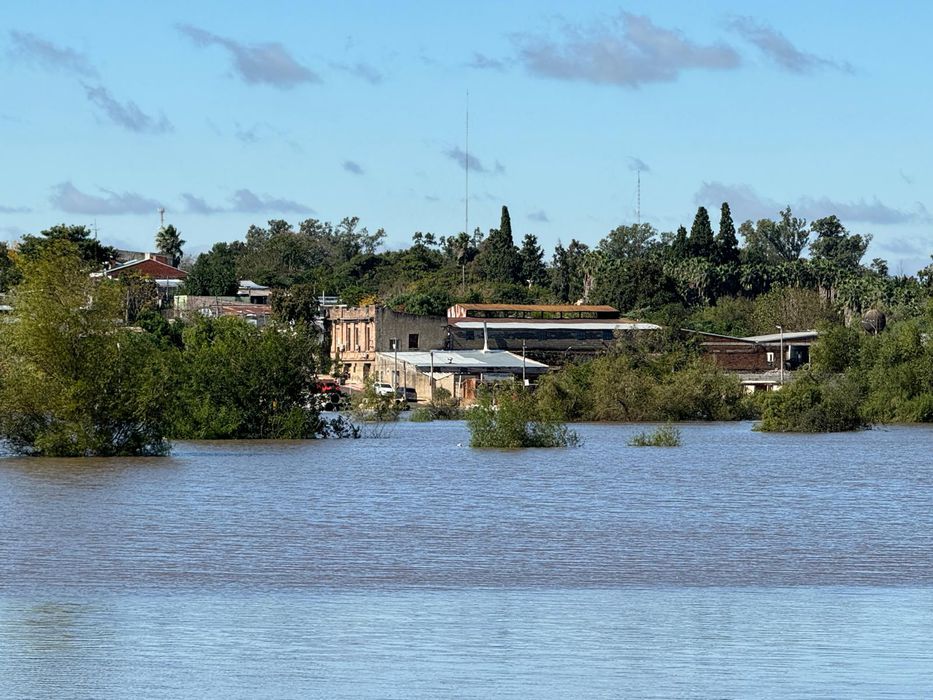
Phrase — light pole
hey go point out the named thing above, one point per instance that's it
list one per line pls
(395, 368)
(524, 381)
(432, 377)
(781, 328)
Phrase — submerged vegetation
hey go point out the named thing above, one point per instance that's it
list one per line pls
(74, 380)
(509, 418)
(664, 436)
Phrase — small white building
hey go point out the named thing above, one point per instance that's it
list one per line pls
(458, 371)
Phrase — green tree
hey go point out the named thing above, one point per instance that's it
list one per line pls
(239, 381)
(701, 242)
(169, 243)
(73, 381)
(727, 245)
(498, 258)
(531, 255)
(567, 270)
(9, 273)
(628, 242)
(89, 248)
(214, 272)
(835, 245)
(297, 304)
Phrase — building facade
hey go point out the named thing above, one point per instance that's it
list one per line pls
(358, 333)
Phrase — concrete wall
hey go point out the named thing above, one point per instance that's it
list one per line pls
(431, 330)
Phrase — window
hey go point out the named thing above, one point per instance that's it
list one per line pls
(770, 357)
(412, 341)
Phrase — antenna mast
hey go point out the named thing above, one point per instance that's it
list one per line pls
(638, 197)
(162, 216)
(466, 209)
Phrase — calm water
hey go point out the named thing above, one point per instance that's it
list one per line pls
(739, 565)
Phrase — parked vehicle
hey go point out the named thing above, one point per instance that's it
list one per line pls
(406, 394)
(384, 389)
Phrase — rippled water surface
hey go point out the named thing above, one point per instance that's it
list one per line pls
(738, 565)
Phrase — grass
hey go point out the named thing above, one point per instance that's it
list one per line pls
(665, 436)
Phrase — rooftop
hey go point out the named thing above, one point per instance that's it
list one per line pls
(489, 361)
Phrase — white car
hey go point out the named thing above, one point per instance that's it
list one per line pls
(384, 389)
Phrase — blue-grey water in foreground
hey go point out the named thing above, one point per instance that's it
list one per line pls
(738, 565)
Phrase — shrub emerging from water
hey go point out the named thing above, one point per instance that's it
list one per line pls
(815, 404)
(665, 436)
(509, 418)
(421, 415)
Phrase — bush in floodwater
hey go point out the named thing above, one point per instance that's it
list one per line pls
(421, 415)
(665, 436)
(815, 404)
(509, 418)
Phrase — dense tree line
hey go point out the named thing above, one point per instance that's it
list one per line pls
(669, 277)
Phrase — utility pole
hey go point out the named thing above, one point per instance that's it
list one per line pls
(781, 329)
(395, 369)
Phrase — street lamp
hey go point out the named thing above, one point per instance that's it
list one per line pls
(524, 381)
(781, 329)
(394, 342)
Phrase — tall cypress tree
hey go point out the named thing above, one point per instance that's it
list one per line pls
(701, 241)
(727, 244)
(498, 258)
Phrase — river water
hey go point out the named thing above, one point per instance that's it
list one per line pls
(738, 565)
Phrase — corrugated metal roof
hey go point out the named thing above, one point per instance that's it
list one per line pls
(776, 337)
(464, 359)
(547, 308)
(567, 324)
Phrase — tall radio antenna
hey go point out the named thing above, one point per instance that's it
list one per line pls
(638, 197)
(466, 163)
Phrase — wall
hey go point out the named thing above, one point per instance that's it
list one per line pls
(358, 333)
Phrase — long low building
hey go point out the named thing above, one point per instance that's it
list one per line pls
(553, 333)
(458, 371)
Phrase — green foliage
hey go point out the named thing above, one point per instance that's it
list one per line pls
(733, 316)
(835, 245)
(643, 380)
(727, 245)
(421, 415)
(815, 404)
(214, 272)
(509, 418)
(91, 251)
(73, 382)
(836, 350)
(369, 406)
(531, 259)
(498, 257)
(701, 243)
(665, 436)
(297, 304)
(239, 381)
(794, 308)
(444, 406)
(430, 302)
(10, 274)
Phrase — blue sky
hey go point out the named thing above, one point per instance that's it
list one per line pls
(228, 114)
